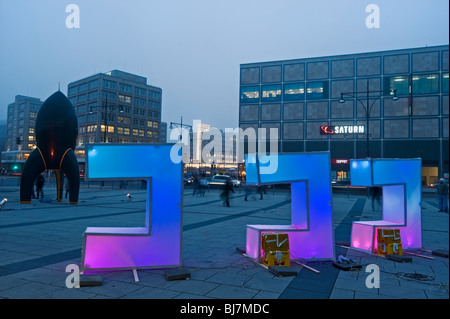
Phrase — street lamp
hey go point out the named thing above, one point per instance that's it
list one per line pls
(180, 125)
(368, 106)
(106, 114)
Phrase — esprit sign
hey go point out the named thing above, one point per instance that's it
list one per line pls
(341, 129)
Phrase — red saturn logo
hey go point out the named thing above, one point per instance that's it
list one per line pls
(325, 129)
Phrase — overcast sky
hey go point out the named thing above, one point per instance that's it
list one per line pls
(192, 49)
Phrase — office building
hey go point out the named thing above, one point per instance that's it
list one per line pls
(398, 97)
(20, 137)
(115, 107)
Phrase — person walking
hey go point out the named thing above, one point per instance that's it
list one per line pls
(66, 188)
(442, 191)
(228, 189)
(376, 194)
(39, 186)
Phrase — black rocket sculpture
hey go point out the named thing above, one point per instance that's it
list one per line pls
(56, 133)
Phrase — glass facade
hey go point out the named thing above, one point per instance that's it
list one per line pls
(299, 96)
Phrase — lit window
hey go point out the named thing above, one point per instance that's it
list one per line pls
(317, 90)
(294, 92)
(271, 93)
(425, 83)
(249, 94)
(445, 82)
(126, 131)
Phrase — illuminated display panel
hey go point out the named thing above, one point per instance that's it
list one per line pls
(155, 244)
(400, 180)
(311, 229)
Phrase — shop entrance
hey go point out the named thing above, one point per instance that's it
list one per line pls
(429, 176)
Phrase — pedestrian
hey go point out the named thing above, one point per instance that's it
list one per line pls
(442, 191)
(196, 185)
(376, 193)
(260, 191)
(227, 190)
(67, 188)
(39, 186)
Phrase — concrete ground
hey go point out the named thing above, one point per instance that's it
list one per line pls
(38, 241)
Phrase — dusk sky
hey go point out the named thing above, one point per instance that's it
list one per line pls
(193, 49)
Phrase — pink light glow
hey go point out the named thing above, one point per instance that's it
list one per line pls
(311, 229)
(402, 194)
(157, 244)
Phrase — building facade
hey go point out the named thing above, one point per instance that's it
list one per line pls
(20, 135)
(116, 107)
(332, 103)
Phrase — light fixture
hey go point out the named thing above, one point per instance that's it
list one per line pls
(3, 202)
(129, 196)
(342, 99)
(395, 97)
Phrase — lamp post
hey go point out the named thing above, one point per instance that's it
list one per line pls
(106, 114)
(181, 126)
(368, 106)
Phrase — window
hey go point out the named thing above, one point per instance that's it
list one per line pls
(72, 90)
(109, 96)
(73, 100)
(82, 98)
(249, 94)
(91, 128)
(425, 83)
(421, 84)
(445, 82)
(149, 123)
(125, 88)
(109, 84)
(271, 93)
(82, 87)
(124, 98)
(126, 131)
(81, 109)
(294, 92)
(135, 132)
(93, 84)
(123, 119)
(317, 90)
(141, 133)
(93, 95)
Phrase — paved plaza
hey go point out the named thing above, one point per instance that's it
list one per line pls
(38, 241)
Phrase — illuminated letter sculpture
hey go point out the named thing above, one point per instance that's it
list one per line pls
(311, 229)
(402, 197)
(158, 243)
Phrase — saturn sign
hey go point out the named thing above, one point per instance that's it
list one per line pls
(342, 129)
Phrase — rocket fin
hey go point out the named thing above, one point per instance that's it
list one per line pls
(69, 166)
